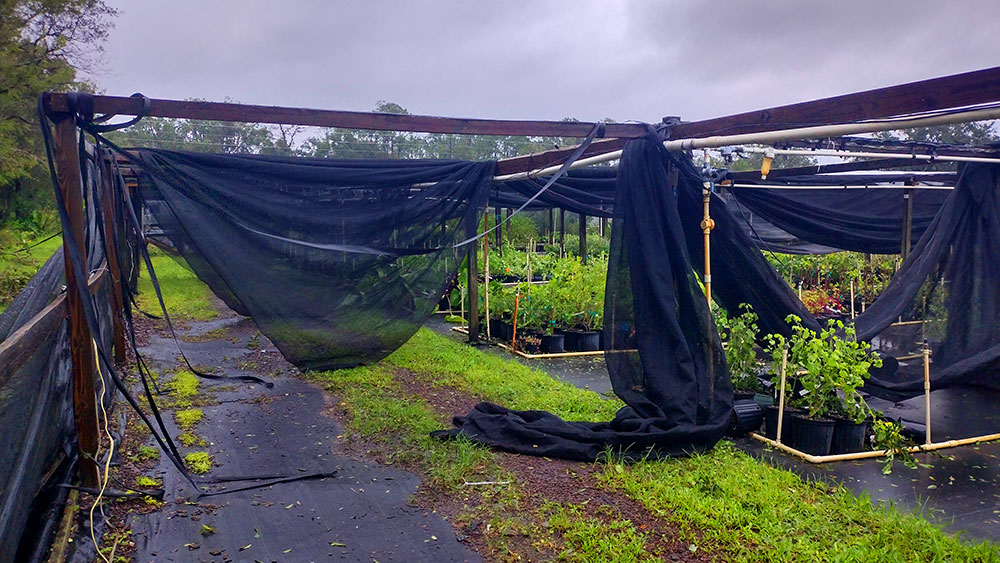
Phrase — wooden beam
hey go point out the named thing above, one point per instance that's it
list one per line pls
(56, 102)
(82, 355)
(117, 299)
(957, 90)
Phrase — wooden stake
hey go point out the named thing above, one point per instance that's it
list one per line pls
(927, 393)
(82, 356)
(781, 395)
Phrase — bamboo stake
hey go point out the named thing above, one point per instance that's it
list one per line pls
(927, 393)
(513, 334)
(781, 395)
(852, 298)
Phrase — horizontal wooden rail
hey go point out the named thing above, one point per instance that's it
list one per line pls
(23, 342)
(977, 87)
(224, 111)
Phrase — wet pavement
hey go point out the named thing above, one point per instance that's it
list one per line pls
(958, 488)
(359, 513)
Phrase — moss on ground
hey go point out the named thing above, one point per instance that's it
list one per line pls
(199, 462)
(187, 418)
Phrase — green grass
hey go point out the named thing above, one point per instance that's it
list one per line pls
(444, 362)
(752, 512)
(17, 267)
(725, 502)
(186, 297)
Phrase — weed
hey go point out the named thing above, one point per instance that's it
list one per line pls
(148, 453)
(199, 462)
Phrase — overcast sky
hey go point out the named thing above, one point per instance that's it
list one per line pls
(628, 60)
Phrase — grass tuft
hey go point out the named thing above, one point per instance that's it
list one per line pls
(186, 297)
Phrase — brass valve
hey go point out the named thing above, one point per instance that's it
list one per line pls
(707, 224)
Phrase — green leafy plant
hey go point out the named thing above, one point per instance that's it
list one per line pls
(740, 334)
(888, 436)
(829, 367)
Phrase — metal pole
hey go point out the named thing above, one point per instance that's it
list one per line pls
(907, 237)
(582, 230)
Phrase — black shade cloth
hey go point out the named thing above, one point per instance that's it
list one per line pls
(338, 262)
(676, 387)
(859, 220)
(952, 279)
(590, 191)
(37, 429)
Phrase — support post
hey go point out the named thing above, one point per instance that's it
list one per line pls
(486, 272)
(907, 237)
(926, 351)
(82, 352)
(562, 233)
(582, 229)
(117, 300)
(500, 226)
(551, 226)
(473, 284)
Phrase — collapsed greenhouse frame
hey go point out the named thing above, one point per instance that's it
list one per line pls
(959, 91)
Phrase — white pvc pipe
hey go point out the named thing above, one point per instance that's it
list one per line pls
(769, 137)
(851, 154)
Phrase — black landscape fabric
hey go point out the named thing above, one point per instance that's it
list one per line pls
(338, 262)
(676, 386)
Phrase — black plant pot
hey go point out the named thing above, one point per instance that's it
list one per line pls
(746, 418)
(496, 328)
(552, 344)
(506, 331)
(848, 436)
(812, 436)
(583, 340)
(571, 342)
(743, 395)
(771, 425)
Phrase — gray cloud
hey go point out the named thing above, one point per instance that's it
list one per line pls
(520, 59)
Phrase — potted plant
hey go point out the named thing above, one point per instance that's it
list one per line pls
(826, 369)
(740, 336)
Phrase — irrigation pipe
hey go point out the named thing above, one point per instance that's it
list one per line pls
(879, 155)
(836, 186)
(769, 137)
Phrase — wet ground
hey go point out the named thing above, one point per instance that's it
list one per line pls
(958, 488)
(361, 512)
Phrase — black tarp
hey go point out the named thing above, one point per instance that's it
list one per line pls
(676, 386)
(338, 262)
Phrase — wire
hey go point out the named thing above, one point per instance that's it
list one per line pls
(107, 464)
